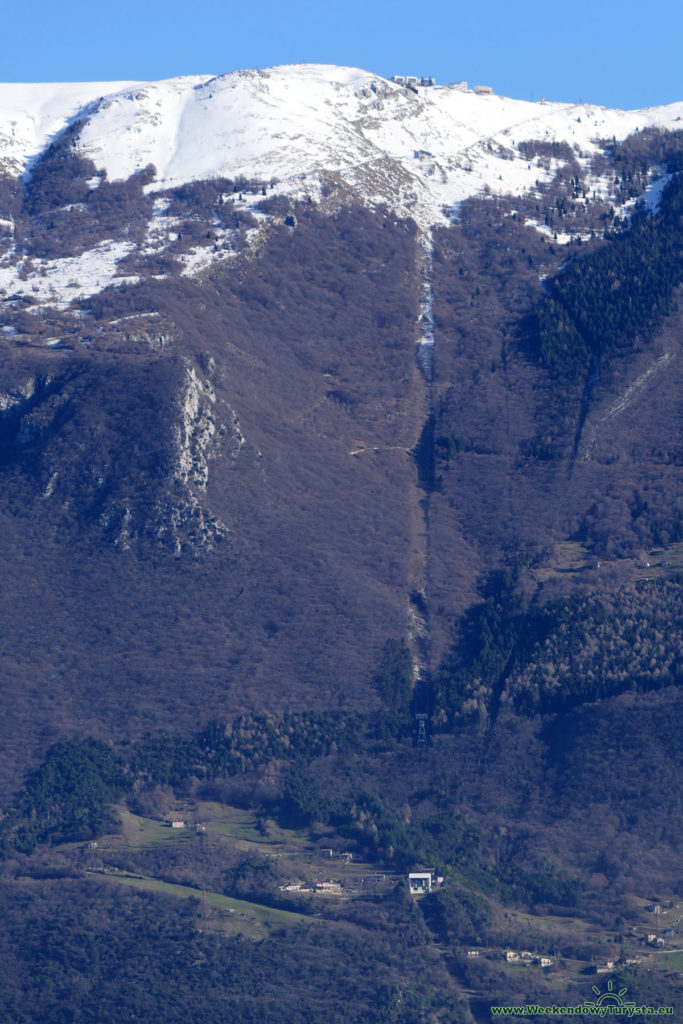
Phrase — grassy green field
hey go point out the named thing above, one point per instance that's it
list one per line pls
(138, 831)
(243, 830)
(670, 961)
(663, 562)
(551, 927)
(218, 819)
(224, 913)
(574, 557)
(244, 827)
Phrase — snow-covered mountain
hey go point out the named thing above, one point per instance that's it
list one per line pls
(420, 150)
(308, 132)
(212, 294)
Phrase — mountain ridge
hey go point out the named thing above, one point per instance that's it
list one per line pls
(446, 143)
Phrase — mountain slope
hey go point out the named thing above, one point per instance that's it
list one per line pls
(213, 294)
(337, 415)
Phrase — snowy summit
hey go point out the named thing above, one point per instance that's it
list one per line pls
(421, 150)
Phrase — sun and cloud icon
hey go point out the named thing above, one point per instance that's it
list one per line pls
(611, 997)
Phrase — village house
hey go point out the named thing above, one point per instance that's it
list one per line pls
(413, 81)
(420, 882)
(344, 855)
(329, 888)
(605, 967)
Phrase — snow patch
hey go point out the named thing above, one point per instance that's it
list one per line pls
(561, 237)
(652, 196)
(59, 282)
(32, 114)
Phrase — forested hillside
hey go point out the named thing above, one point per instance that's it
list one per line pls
(341, 542)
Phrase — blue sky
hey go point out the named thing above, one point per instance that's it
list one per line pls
(614, 53)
